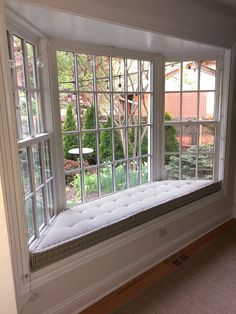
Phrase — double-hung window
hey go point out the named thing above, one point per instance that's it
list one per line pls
(34, 142)
(192, 119)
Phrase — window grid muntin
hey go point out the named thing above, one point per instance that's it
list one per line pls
(197, 121)
(98, 128)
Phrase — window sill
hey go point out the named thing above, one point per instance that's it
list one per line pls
(85, 225)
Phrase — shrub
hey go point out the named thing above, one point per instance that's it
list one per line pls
(89, 138)
(69, 141)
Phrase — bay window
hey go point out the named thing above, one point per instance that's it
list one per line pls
(113, 128)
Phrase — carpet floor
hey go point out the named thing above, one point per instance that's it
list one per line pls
(205, 284)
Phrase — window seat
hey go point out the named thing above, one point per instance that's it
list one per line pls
(85, 225)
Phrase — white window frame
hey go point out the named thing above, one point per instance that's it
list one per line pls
(217, 121)
(35, 138)
(220, 121)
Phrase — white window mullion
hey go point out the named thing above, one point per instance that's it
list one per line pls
(112, 125)
(43, 167)
(198, 126)
(126, 122)
(96, 124)
(82, 185)
(158, 122)
(35, 214)
(28, 91)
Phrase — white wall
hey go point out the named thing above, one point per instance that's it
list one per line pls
(73, 283)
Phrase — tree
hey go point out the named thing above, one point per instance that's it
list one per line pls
(171, 143)
(69, 141)
(89, 138)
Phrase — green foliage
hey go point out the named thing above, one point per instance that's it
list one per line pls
(89, 138)
(171, 143)
(65, 69)
(205, 163)
(91, 185)
(106, 144)
(69, 141)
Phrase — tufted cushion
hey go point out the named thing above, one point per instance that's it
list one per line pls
(87, 224)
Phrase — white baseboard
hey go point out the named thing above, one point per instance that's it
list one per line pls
(105, 286)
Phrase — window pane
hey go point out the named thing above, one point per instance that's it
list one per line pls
(102, 73)
(132, 75)
(47, 152)
(85, 72)
(207, 137)
(106, 180)
(145, 140)
(145, 76)
(132, 109)
(172, 166)
(118, 68)
(35, 112)
(40, 207)
(133, 141)
(66, 70)
(24, 114)
(207, 106)
(68, 111)
(50, 197)
(103, 102)
(31, 64)
(120, 176)
(145, 109)
(205, 166)
(189, 136)
(189, 106)
(172, 76)
(172, 138)
(37, 164)
(133, 173)
(145, 170)
(190, 75)
(73, 188)
(89, 144)
(90, 184)
(19, 61)
(25, 170)
(172, 106)
(87, 111)
(71, 146)
(119, 143)
(29, 217)
(119, 110)
(208, 75)
(105, 146)
(188, 166)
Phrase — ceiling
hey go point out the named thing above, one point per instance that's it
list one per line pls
(64, 25)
